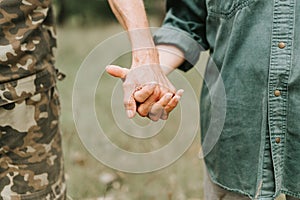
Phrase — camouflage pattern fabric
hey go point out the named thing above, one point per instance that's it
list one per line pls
(31, 165)
(27, 38)
(27, 42)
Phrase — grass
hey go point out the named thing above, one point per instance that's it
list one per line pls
(85, 174)
(89, 179)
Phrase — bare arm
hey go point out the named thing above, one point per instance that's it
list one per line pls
(156, 95)
(132, 16)
(170, 57)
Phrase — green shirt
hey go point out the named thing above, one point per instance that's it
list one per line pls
(255, 46)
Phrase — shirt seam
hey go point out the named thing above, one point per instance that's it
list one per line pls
(229, 14)
(259, 183)
(287, 192)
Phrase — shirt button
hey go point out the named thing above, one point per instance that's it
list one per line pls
(281, 45)
(277, 93)
(277, 140)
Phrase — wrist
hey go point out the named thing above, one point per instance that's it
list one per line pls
(145, 56)
(167, 69)
(141, 39)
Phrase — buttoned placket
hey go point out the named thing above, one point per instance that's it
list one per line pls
(279, 71)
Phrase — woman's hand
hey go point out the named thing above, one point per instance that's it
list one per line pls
(147, 91)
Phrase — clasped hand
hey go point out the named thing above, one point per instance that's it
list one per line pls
(147, 91)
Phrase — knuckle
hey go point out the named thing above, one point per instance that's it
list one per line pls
(156, 94)
(148, 92)
(168, 109)
(154, 118)
(142, 112)
(127, 104)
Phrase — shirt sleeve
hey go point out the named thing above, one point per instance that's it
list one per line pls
(184, 27)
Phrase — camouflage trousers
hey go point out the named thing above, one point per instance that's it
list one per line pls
(31, 165)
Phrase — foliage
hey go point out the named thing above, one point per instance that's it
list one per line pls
(87, 12)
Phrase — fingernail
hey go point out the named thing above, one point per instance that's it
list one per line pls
(177, 98)
(130, 113)
(180, 92)
(169, 96)
(164, 116)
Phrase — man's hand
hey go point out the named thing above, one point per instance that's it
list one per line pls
(146, 90)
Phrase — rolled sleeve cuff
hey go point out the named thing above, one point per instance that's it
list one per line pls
(183, 41)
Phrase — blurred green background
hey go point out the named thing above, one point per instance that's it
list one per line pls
(94, 11)
(82, 25)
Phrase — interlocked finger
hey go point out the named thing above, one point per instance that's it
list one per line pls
(171, 105)
(146, 106)
(144, 93)
(174, 101)
(158, 107)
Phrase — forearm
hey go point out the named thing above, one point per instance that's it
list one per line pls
(170, 57)
(132, 16)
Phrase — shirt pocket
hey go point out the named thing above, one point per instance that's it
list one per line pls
(226, 8)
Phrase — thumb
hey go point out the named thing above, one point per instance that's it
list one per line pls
(129, 102)
(117, 71)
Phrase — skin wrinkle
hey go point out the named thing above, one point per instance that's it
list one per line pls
(144, 53)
